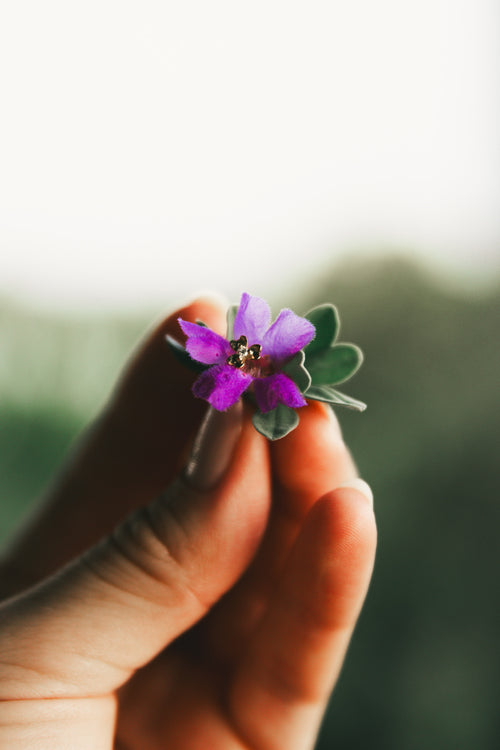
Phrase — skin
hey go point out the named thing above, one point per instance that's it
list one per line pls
(212, 617)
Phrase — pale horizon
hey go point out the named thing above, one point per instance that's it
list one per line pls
(148, 151)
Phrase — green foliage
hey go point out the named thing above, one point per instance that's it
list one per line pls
(334, 365)
(297, 372)
(331, 396)
(328, 363)
(325, 319)
(276, 423)
(33, 441)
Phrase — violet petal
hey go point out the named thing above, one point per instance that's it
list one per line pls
(288, 334)
(221, 386)
(204, 345)
(277, 389)
(252, 319)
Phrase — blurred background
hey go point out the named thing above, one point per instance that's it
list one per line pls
(304, 152)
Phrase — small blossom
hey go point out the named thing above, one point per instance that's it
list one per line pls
(254, 359)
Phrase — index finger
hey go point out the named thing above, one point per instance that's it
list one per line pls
(123, 461)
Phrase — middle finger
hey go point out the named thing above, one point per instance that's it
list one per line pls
(306, 464)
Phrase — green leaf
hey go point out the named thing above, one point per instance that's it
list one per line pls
(277, 423)
(183, 357)
(297, 372)
(201, 323)
(335, 365)
(331, 396)
(325, 319)
(231, 314)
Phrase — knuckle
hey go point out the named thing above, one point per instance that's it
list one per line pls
(149, 555)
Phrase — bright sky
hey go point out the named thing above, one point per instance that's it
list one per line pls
(151, 148)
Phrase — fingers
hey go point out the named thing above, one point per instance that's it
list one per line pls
(306, 464)
(125, 459)
(310, 460)
(83, 632)
(297, 651)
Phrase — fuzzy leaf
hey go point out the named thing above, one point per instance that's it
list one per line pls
(231, 315)
(183, 357)
(331, 396)
(335, 365)
(277, 423)
(326, 321)
(297, 372)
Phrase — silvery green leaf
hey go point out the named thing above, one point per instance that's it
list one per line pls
(277, 423)
(335, 365)
(183, 357)
(297, 372)
(331, 396)
(231, 314)
(326, 321)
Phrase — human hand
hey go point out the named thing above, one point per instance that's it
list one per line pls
(214, 616)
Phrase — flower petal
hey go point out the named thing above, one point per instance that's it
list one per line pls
(203, 344)
(221, 386)
(277, 389)
(252, 319)
(288, 334)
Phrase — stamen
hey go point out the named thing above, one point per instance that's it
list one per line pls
(240, 345)
(243, 352)
(236, 360)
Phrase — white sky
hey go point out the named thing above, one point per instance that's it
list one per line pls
(151, 148)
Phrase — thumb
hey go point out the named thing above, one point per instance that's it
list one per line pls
(83, 631)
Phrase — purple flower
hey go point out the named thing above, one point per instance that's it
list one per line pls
(254, 358)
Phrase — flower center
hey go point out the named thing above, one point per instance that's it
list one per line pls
(243, 352)
(250, 359)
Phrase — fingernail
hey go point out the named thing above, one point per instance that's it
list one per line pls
(361, 486)
(214, 447)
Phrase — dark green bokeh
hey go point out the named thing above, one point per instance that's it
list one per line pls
(423, 668)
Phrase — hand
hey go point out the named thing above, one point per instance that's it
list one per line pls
(213, 615)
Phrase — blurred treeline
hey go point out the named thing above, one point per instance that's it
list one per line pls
(423, 669)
